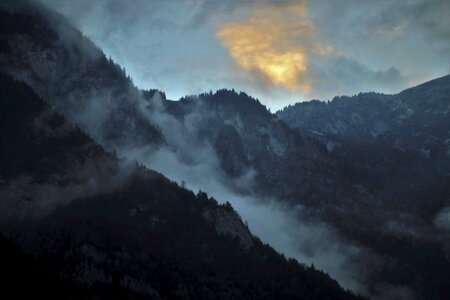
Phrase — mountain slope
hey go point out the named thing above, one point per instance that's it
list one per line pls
(396, 148)
(142, 235)
(376, 196)
(39, 46)
(415, 120)
(383, 198)
(245, 136)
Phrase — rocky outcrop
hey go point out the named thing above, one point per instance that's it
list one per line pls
(227, 221)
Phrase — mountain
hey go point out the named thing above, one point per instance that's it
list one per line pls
(375, 195)
(396, 147)
(415, 120)
(39, 46)
(106, 229)
(246, 136)
(374, 167)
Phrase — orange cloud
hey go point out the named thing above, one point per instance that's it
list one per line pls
(276, 42)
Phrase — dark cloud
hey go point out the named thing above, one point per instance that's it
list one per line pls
(427, 19)
(413, 36)
(207, 8)
(339, 75)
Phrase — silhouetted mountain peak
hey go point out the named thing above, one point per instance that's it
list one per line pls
(230, 100)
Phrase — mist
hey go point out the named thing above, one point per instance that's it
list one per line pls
(237, 151)
(195, 165)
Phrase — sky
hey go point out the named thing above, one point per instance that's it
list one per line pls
(280, 51)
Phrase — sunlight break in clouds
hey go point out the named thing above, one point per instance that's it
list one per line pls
(276, 42)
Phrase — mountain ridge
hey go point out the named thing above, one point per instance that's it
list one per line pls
(374, 191)
(142, 235)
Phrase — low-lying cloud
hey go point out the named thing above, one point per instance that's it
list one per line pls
(290, 231)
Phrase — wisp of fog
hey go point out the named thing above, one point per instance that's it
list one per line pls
(197, 166)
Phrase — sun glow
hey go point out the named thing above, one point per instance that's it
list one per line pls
(276, 43)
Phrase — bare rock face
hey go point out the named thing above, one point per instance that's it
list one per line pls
(227, 221)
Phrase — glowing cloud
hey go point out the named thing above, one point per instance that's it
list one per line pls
(276, 42)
